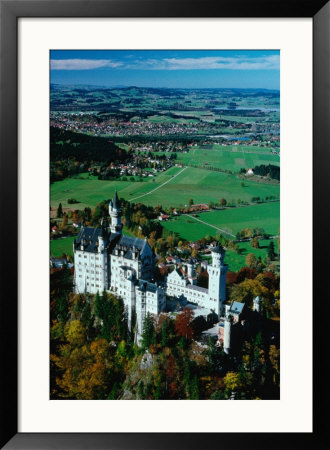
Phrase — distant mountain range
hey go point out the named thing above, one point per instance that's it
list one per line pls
(160, 90)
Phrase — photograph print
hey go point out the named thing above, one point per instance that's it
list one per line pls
(164, 224)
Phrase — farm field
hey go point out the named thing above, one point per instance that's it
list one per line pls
(168, 119)
(203, 186)
(265, 215)
(229, 157)
(89, 191)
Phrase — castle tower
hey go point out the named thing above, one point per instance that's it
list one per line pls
(115, 214)
(191, 271)
(227, 334)
(217, 279)
(257, 304)
(101, 248)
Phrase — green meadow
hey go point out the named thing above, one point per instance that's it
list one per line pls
(231, 220)
(202, 185)
(168, 119)
(236, 261)
(229, 157)
(60, 246)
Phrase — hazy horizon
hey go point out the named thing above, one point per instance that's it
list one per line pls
(167, 69)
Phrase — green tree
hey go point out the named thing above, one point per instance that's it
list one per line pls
(86, 316)
(148, 334)
(271, 251)
(59, 212)
(194, 389)
(62, 307)
(165, 333)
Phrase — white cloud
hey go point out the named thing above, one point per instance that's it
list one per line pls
(270, 62)
(82, 64)
(210, 62)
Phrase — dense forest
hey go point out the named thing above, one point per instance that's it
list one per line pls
(67, 145)
(93, 356)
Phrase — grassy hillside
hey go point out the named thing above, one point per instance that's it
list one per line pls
(203, 186)
(229, 157)
(266, 216)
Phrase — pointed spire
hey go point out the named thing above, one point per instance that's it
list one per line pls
(115, 200)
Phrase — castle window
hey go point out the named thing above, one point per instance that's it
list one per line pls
(85, 256)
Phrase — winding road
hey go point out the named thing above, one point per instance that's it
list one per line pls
(208, 224)
(158, 187)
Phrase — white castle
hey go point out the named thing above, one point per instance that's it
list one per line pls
(107, 260)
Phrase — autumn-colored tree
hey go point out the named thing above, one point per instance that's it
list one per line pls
(232, 381)
(274, 357)
(245, 272)
(152, 239)
(222, 202)
(74, 332)
(251, 260)
(194, 253)
(255, 242)
(184, 324)
(231, 278)
(83, 368)
(247, 290)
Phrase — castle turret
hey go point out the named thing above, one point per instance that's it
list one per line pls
(227, 334)
(115, 214)
(217, 279)
(257, 304)
(191, 271)
(100, 244)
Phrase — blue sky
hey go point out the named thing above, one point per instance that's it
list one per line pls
(168, 68)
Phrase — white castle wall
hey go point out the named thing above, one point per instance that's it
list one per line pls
(90, 271)
(98, 271)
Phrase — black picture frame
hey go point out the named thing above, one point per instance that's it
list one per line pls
(10, 12)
